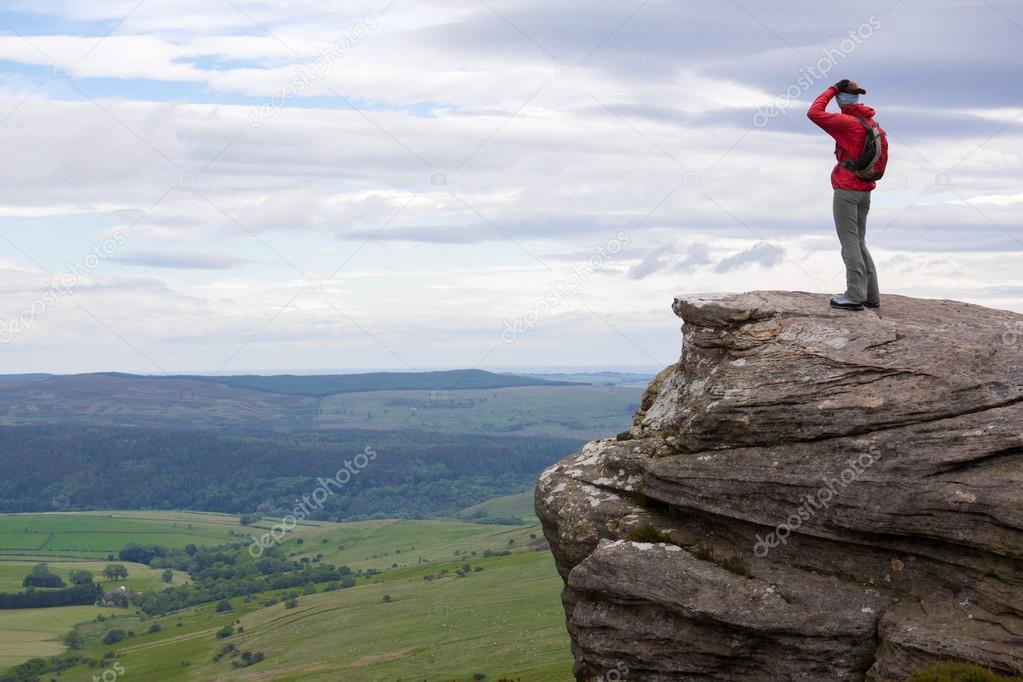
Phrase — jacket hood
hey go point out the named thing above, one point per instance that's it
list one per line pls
(861, 109)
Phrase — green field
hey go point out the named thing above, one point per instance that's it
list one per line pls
(28, 633)
(67, 542)
(95, 534)
(403, 544)
(509, 506)
(140, 577)
(505, 620)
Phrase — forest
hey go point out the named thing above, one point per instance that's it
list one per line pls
(412, 475)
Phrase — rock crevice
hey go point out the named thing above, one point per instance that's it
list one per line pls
(806, 495)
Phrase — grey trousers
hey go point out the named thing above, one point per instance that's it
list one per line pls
(851, 210)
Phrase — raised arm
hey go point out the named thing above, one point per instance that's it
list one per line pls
(833, 124)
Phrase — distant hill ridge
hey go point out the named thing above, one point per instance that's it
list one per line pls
(460, 401)
(318, 386)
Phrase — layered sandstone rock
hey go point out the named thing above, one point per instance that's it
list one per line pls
(808, 494)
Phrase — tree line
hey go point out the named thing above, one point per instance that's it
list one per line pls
(75, 595)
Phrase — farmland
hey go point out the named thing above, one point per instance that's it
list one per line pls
(84, 535)
(409, 616)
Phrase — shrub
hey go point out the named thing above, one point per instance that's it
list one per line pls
(140, 554)
(155, 627)
(249, 519)
(73, 640)
(113, 636)
(291, 602)
(248, 658)
(227, 650)
(225, 632)
(647, 533)
(223, 605)
(80, 577)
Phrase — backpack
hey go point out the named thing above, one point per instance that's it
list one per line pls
(874, 157)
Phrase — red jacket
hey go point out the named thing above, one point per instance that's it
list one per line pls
(849, 137)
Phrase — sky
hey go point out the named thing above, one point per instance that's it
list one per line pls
(223, 186)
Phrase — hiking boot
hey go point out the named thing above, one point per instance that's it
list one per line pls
(843, 302)
(873, 304)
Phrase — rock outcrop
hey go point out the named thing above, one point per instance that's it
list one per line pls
(808, 494)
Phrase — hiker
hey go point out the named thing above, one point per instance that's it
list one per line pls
(861, 148)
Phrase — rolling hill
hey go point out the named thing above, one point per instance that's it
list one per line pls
(463, 401)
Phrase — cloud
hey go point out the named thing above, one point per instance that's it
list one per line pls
(698, 254)
(179, 260)
(762, 254)
(651, 263)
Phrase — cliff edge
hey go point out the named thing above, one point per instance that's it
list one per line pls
(808, 494)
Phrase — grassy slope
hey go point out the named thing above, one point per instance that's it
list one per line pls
(382, 544)
(28, 633)
(503, 621)
(518, 506)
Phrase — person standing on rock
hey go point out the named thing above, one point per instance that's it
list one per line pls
(861, 148)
